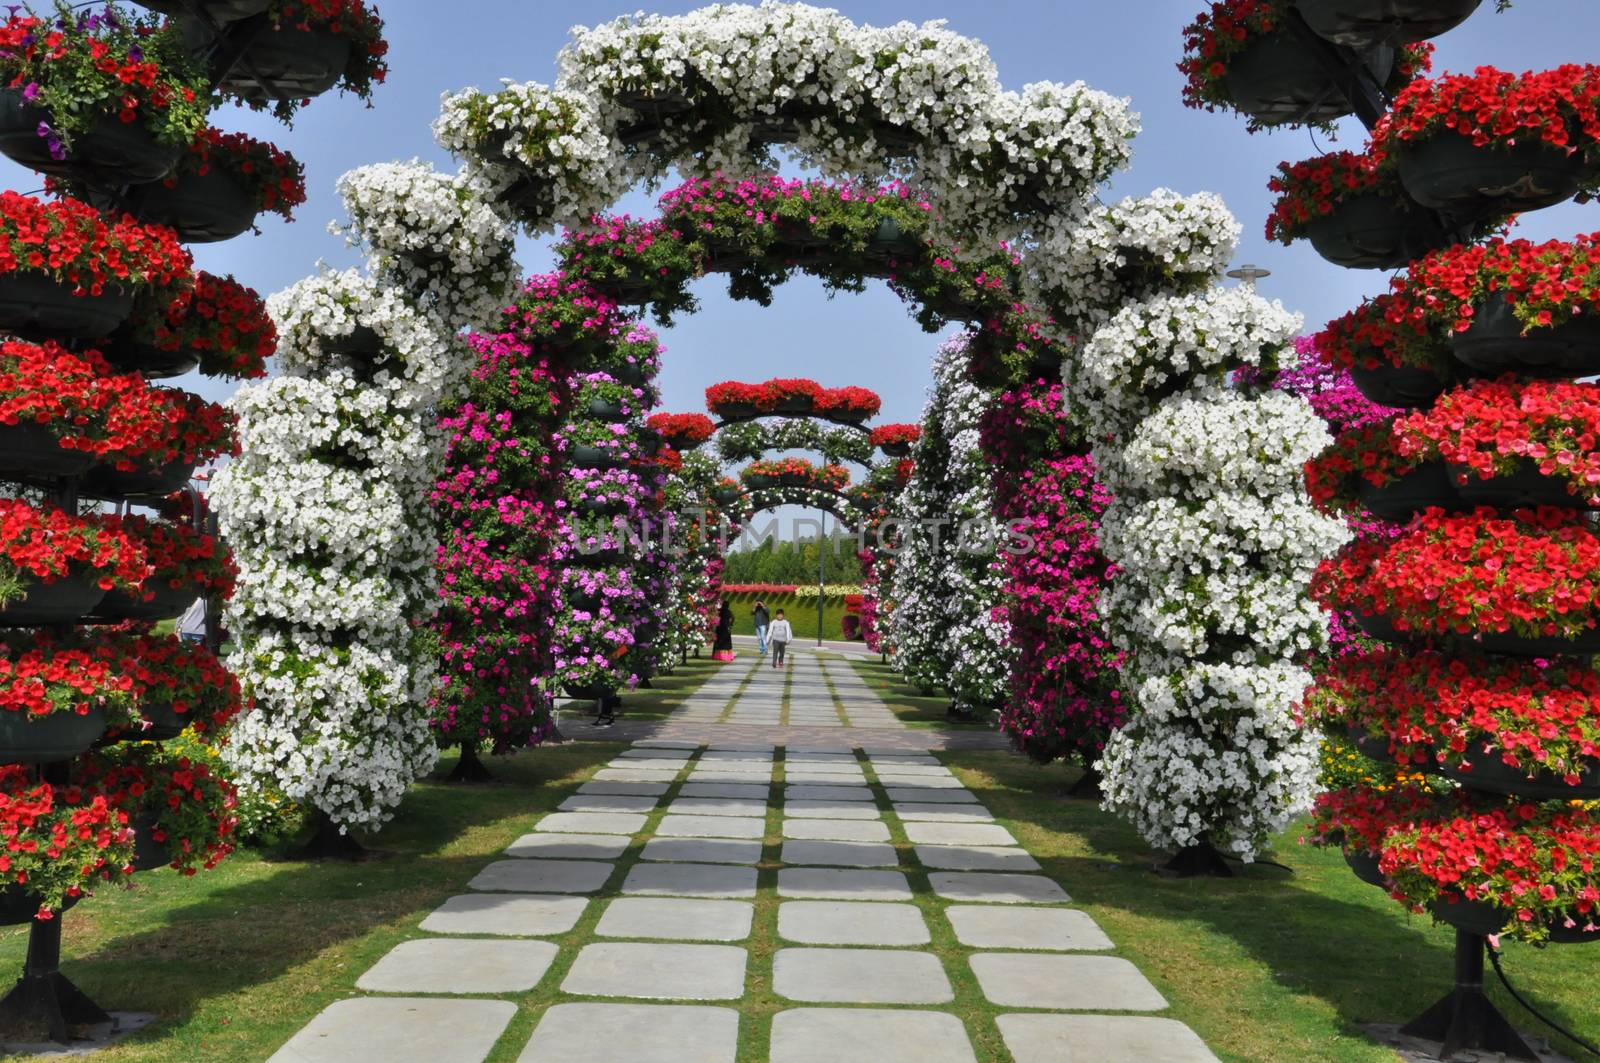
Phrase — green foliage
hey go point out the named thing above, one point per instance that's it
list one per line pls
(793, 562)
(752, 440)
(266, 817)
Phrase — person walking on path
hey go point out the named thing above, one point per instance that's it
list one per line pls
(782, 634)
(722, 646)
(763, 619)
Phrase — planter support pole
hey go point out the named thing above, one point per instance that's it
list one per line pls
(44, 994)
(1465, 1018)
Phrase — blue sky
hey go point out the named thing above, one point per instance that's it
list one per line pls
(1128, 49)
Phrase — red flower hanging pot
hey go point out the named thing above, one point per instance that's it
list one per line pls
(1496, 343)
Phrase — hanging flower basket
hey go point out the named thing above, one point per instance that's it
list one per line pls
(583, 601)
(130, 356)
(1429, 484)
(26, 739)
(682, 431)
(61, 601)
(892, 241)
(1584, 644)
(33, 304)
(794, 479)
(726, 496)
(202, 208)
(139, 484)
(587, 457)
(31, 450)
(167, 603)
(628, 373)
(303, 61)
(1490, 772)
(587, 691)
(1402, 386)
(1450, 172)
(1365, 867)
(737, 411)
(18, 907)
(850, 405)
(597, 556)
(148, 854)
(1480, 917)
(601, 506)
(602, 409)
(760, 482)
(165, 722)
(1277, 80)
(793, 396)
(1496, 343)
(108, 152)
(1374, 232)
(1525, 487)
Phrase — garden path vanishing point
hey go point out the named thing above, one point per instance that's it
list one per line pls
(735, 902)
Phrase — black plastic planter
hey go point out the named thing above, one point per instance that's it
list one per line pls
(148, 854)
(1479, 917)
(1427, 485)
(30, 451)
(18, 906)
(1360, 24)
(892, 241)
(64, 601)
(1527, 486)
(140, 484)
(1449, 172)
(1278, 80)
(168, 604)
(36, 306)
(681, 442)
(216, 10)
(761, 482)
(28, 739)
(627, 373)
(203, 208)
(796, 405)
(626, 291)
(128, 356)
(165, 724)
(586, 691)
(584, 601)
(737, 411)
(794, 479)
(726, 496)
(1405, 386)
(601, 506)
(597, 557)
(1492, 774)
(1374, 232)
(1365, 866)
(896, 450)
(1496, 344)
(605, 410)
(111, 153)
(362, 342)
(1586, 644)
(586, 457)
(301, 62)
(1380, 627)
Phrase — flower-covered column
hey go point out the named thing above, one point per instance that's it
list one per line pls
(1215, 543)
(328, 505)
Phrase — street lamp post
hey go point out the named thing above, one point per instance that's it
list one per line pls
(821, 559)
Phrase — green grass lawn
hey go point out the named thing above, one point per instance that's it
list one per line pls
(912, 706)
(1268, 967)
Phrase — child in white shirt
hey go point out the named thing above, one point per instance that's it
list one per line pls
(778, 636)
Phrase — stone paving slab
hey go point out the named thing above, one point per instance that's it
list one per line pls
(793, 757)
(1064, 982)
(657, 971)
(703, 850)
(831, 884)
(827, 793)
(824, 776)
(569, 846)
(634, 1033)
(400, 1030)
(607, 803)
(852, 923)
(833, 749)
(711, 827)
(860, 976)
(975, 858)
(676, 919)
(836, 830)
(736, 791)
(1053, 929)
(914, 783)
(653, 752)
(505, 915)
(1101, 1039)
(987, 888)
(868, 1035)
(542, 876)
(723, 775)
(456, 965)
(756, 768)
(717, 806)
(661, 743)
(959, 834)
(945, 813)
(657, 767)
(737, 756)
(592, 823)
(908, 767)
(713, 881)
(831, 810)
(840, 854)
(625, 789)
(633, 775)
(899, 794)
(740, 747)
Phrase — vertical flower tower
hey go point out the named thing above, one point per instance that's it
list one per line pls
(328, 507)
(1481, 600)
(93, 306)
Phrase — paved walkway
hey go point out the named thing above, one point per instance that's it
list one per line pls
(809, 692)
(740, 902)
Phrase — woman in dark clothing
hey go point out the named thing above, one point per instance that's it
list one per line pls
(722, 647)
